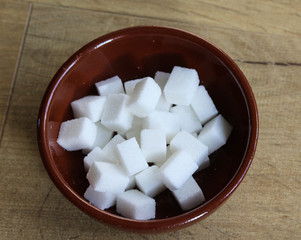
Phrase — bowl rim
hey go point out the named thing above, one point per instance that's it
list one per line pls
(170, 223)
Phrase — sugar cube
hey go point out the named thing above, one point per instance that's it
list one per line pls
(136, 205)
(161, 78)
(162, 104)
(110, 147)
(155, 120)
(186, 142)
(189, 122)
(177, 169)
(168, 152)
(195, 134)
(149, 181)
(203, 105)
(132, 183)
(153, 145)
(159, 164)
(137, 122)
(130, 85)
(204, 164)
(190, 195)
(144, 98)
(107, 177)
(131, 157)
(89, 106)
(135, 132)
(116, 116)
(167, 121)
(181, 85)
(97, 154)
(103, 136)
(102, 200)
(109, 86)
(215, 133)
(77, 134)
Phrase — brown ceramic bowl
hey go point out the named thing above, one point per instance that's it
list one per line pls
(138, 52)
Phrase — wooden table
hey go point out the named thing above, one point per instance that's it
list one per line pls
(263, 37)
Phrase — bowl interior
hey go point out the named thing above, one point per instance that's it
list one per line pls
(135, 53)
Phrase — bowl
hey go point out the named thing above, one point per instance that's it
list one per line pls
(134, 53)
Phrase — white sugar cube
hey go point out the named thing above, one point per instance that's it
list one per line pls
(204, 164)
(97, 154)
(144, 98)
(149, 181)
(109, 86)
(110, 147)
(184, 141)
(168, 152)
(153, 145)
(132, 183)
(103, 136)
(89, 106)
(137, 122)
(134, 133)
(159, 164)
(188, 120)
(161, 78)
(107, 177)
(116, 116)
(77, 134)
(129, 86)
(177, 169)
(190, 195)
(102, 200)
(162, 104)
(131, 157)
(168, 155)
(167, 121)
(136, 205)
(215, 133)
(181, 86)
(195, 134)
(203, 105)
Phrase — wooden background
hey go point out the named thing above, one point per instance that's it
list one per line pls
(263, 37)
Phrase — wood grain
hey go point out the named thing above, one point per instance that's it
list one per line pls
(276, 17)
(13, 18)
(267, 203)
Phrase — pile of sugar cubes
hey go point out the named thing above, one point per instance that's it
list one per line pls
(143, 137)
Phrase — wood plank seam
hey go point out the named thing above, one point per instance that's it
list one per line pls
(167, 20)
(269, 63)
(16, 70)
(111, 12)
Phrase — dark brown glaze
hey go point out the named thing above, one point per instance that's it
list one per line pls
(138, 52)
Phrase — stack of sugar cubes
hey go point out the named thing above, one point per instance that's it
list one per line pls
(143, 137)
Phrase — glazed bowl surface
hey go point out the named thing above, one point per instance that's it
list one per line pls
(139, 52)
